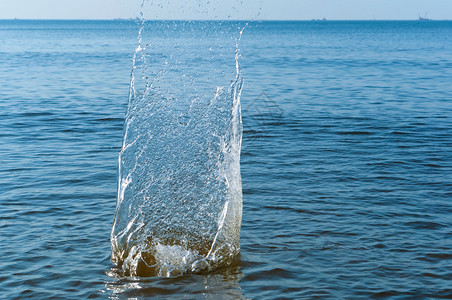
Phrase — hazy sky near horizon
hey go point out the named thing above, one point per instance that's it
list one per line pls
(235, 9)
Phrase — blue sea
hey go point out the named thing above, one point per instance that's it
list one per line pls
(346, 162)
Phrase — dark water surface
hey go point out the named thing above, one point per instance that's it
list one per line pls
(346, 162)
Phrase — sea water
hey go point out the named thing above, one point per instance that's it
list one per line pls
(345, 161)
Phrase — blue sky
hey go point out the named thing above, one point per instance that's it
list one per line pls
(235, 9)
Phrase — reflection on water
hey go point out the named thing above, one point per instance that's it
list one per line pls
(222, 284)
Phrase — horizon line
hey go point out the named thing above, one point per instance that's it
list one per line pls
(220, 20)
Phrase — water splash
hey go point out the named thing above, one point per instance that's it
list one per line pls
(179, 202)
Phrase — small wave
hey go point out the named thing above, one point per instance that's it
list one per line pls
(354, 133)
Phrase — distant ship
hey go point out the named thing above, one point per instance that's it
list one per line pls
(423, 18)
